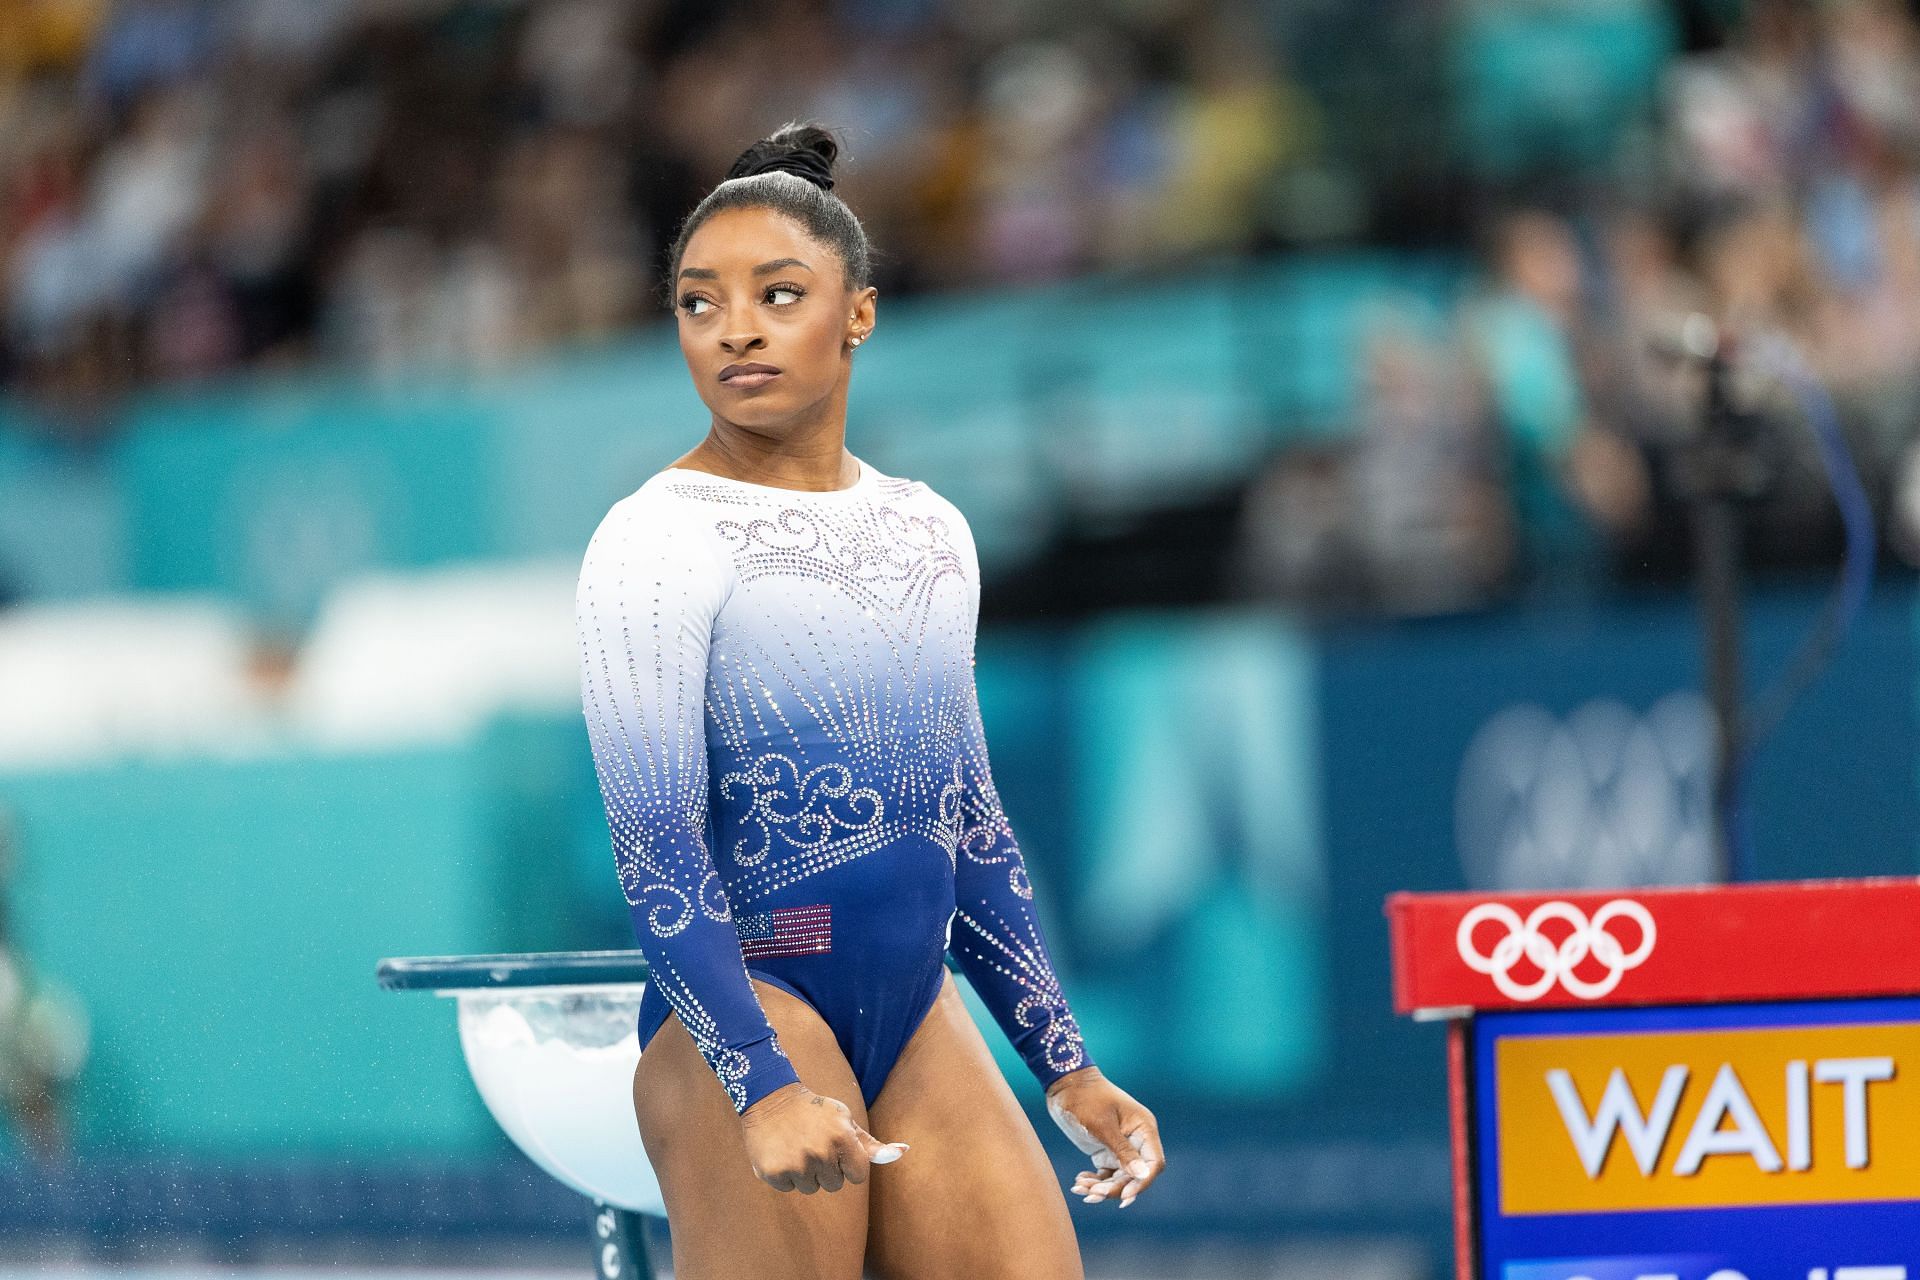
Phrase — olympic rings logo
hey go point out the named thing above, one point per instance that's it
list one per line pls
(1556, 961)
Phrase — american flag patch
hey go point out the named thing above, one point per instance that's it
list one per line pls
(787, 931)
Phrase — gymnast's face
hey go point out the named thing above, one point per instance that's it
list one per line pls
(766, 318)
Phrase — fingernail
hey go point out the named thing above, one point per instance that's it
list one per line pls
(1139, 1168)
(1126, 1202)
(886, 1155)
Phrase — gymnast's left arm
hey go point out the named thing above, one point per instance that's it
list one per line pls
(997, 942)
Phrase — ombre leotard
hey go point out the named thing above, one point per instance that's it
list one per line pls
(778, 688)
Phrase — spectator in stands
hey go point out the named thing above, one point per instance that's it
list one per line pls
(1574, 480)
(1427, 497)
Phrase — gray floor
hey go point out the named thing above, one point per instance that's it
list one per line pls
(1194, 1261)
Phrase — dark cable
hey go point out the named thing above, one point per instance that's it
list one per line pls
(1843, 604)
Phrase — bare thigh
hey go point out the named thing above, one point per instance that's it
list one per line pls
(975, 1198)
(725, 1222)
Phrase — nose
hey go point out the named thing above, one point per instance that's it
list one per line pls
(735, 344)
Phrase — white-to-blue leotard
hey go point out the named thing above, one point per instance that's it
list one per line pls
(778, 688)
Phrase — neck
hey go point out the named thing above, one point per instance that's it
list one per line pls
(808, 451)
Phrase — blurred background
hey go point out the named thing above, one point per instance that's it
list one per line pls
(1297, 365)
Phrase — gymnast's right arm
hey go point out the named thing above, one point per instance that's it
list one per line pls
(648, 592)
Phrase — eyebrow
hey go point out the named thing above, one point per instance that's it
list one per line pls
(707, 273)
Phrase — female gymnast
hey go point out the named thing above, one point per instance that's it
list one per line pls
(777, 677)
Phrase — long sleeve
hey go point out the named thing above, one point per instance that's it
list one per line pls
(996, 935)
(648, 593)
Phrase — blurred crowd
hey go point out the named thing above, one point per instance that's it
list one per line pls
(189, 186)
(1539, 434)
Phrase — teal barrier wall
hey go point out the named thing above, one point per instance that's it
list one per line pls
(63, 520)
(1162, 777)
(1200, 877)
(271, 493)
(220, 922)
(1093, 394)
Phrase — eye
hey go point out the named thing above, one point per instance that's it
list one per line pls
(690, 303)
(794, 294)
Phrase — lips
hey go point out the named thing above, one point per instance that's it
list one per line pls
(747, 376)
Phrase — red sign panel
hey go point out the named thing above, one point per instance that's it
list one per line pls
(1808, 940)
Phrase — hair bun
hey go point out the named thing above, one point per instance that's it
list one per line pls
(805, 150)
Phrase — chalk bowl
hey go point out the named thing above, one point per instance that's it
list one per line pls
(555, 1067)
(550, 1043)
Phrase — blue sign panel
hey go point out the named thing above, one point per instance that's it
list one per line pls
(1740, 1142)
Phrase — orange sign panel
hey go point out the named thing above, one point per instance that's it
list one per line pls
(1692, 1119)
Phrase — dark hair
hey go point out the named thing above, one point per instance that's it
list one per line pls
(790, 172)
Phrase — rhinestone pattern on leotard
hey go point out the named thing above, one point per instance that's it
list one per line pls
(779, 692)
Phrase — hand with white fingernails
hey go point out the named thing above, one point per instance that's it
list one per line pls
(1108, 1125)
(799, 1140)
